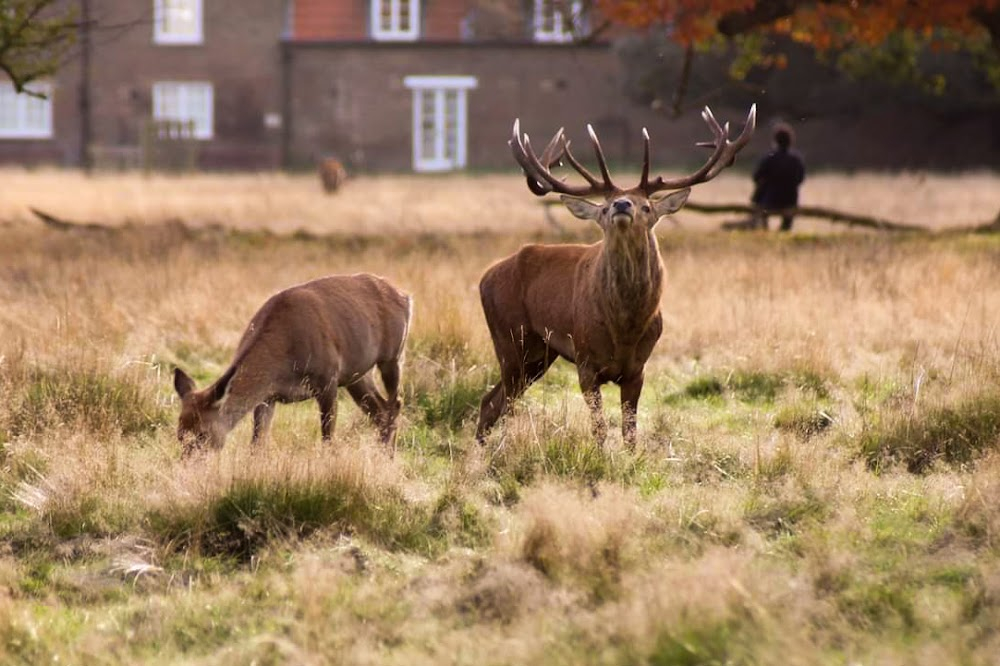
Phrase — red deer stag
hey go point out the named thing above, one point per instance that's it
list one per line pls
(305, 342)
(598, 306)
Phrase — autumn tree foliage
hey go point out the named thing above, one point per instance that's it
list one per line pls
(824, 24)
(34, 37)
(839, 29)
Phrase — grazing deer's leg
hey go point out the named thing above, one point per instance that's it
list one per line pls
(631, 388)
(591, 387)
(390, 371)
(366, 395)
(327, 399)
(262, 415)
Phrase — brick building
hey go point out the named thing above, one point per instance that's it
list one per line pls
(427, 85)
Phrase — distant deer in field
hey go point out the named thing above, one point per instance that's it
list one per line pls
(332, 174)
(597, 306)
(306, 342)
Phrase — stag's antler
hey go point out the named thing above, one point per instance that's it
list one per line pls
(541, 181)
(539, 170)
(723, 156)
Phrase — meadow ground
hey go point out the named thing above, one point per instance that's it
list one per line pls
(817, 482)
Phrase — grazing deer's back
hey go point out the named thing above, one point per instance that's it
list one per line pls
(362, 317)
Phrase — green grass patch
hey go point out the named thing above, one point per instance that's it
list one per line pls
(253, 512)
(450, 404)
(710, 644)
(99, 401)
(806, 420)
(952, 434)
(570, 455)
(784, 515)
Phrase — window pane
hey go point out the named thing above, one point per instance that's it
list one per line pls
(427, 124)
(404, 16)
(35, 114)
(450, 124)
(185, 102)
(8, 109)
(385, 15)
(23, 115)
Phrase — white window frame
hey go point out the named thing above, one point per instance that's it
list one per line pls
(394, 33)
(438, 86)
(161, 36)
(23, 104)
(204, 128)
(559, 33)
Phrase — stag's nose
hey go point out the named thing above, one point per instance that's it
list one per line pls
(622, 205)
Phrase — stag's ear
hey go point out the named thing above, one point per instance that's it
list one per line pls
(182, 383)
(670, 203)
(583, 209)
(220, 390)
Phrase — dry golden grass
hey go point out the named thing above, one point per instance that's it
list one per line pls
(733, 536)
(451, 203)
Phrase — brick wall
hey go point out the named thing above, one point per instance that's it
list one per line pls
(240, 56)
(350, 101)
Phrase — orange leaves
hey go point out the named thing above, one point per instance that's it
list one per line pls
(824, 24)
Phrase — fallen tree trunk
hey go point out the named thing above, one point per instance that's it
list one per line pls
(829, 214)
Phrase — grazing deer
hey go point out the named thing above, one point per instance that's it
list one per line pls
(598, 306)
(305, 342)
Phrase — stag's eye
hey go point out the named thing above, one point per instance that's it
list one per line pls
(604, 210)
(645, 209)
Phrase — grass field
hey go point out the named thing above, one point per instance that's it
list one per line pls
(817, 482)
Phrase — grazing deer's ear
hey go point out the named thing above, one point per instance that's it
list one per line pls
(581, 208)
(220, 391)
(182, 383)
(670, 203)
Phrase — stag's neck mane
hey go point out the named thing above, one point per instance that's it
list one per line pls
(630, 279)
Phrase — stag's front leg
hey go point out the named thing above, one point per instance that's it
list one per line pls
(591, 387)
(631, 388)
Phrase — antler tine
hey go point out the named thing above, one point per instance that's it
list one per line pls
(600, 157)
(723, 153)
(539, 180)
(644, 181)
(582, 170)
(734, 147)
(538, 171)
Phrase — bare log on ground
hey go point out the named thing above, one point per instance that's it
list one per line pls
(829, 214)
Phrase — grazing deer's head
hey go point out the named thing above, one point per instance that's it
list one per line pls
(201, 421)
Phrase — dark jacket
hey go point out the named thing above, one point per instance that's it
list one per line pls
(777, 178)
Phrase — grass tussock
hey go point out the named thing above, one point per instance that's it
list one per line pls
(953, 434)
(579, 536)
(88, 397)
(522, 458)
(244, 501)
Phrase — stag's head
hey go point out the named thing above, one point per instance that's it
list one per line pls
(201, 422)
(636, 209)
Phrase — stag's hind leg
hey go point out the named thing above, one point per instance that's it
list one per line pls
(631, 389)
(528, 365)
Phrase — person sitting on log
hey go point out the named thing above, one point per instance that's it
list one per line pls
(777, 179)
